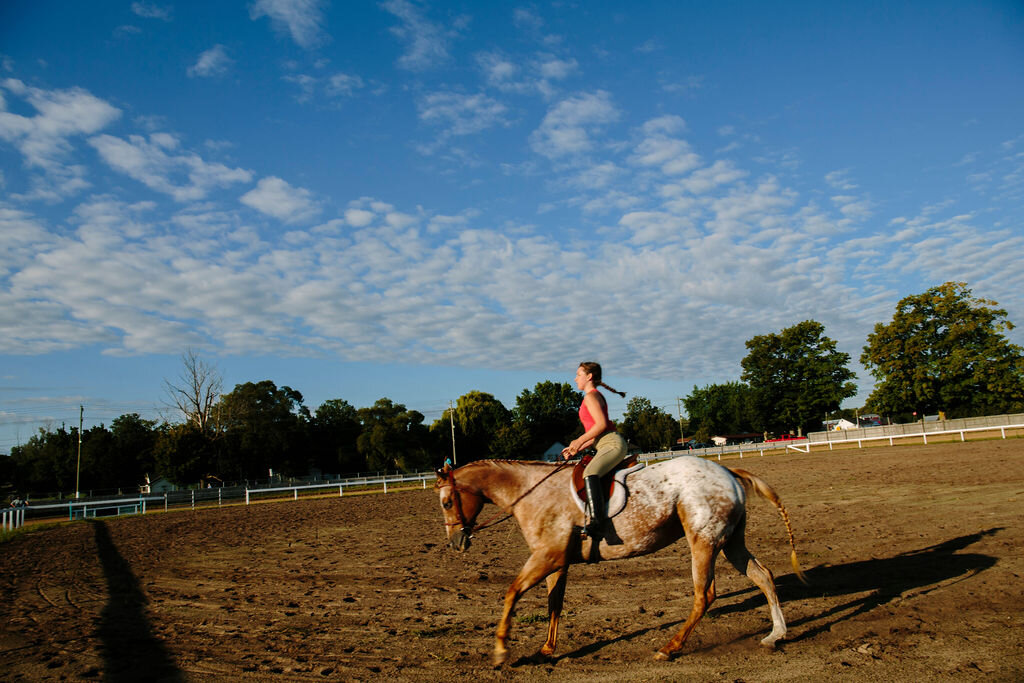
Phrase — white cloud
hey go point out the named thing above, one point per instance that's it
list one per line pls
(45, 139)
(277, 198)
(597, 176)
(307, 85)
(743, 259)
(568, 127)
(359, 218)
(461, 114)
(536, 75)
(684, 86)
(657, 227)
(21, 236)
(705, 179)
(303, 20)
(158, 163)
(211, 63)
(659, 148)
(853, 208)
(499, 71)
(343, 85)
(426, 41)
(558, 69)
(150, 10)
(840, 180)
(335, 86)
(527, 19)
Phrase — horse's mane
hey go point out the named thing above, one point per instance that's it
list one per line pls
(517, 463)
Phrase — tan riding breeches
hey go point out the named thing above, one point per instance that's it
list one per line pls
(611, 450)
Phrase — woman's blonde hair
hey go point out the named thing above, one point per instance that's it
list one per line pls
(594, 370)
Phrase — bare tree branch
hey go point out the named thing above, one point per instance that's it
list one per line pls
(198, 389)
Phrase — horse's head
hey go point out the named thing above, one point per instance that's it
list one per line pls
(460, 505)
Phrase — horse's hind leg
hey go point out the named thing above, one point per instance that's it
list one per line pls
(745, 562)
(556, 597)
(703, 567)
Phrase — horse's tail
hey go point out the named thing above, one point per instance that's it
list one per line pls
(757, 485)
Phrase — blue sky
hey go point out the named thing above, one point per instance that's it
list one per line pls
(415, 200)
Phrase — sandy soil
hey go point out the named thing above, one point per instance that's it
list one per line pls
(913, 552)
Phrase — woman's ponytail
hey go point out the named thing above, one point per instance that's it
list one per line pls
(620, 393)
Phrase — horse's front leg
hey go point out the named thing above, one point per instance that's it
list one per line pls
(556, 598)
(538, 566)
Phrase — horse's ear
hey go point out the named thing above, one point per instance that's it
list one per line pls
(442, 473)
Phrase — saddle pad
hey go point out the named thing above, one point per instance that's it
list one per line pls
(619, 494)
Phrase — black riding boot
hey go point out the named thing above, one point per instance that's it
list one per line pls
(595, 506)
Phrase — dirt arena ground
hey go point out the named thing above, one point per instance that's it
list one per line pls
(914, 555)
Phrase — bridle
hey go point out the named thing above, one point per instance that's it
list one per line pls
(466, 527)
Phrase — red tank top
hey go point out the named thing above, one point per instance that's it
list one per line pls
(587, 419)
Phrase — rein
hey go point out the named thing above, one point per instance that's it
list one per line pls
(466, 528)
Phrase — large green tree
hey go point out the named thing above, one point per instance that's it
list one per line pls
(718, 409)
(549, 413)
(647, 426)
(334, 430)
(264, 427)
(945, 350)
(797, 375)
(115, 458)
(46, 463)
(394, 437)
(184, 453)
(478, 418)
(131, 455)
(514, 442)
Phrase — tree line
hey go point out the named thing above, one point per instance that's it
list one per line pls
(944, 350)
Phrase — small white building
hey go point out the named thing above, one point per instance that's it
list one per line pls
(841, 423)
(553, 453)
(158, 485)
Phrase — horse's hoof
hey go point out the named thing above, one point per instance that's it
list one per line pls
(770, 642)
(499, 658)
(660, 656)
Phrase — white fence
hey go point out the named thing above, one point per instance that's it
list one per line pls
(13, 518)
(382, 481)
(913, 430)
(717, 452)
(190, 498)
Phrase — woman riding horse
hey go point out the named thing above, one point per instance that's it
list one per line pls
(599, 431)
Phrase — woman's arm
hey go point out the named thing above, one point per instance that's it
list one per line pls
(593, 405)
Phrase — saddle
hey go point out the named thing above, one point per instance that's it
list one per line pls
(613, 484)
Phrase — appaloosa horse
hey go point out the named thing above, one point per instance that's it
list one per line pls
(683, 496)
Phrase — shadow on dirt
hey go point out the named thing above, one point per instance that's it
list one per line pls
(919, 571)
(884, 580)
(130, 650)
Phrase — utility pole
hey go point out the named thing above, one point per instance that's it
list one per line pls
(78, 466)
(451, 417)
(679, 410)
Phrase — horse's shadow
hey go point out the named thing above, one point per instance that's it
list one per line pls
(872, 583)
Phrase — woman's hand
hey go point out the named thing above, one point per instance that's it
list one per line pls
(575, 446)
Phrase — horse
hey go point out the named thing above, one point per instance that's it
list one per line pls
(686, 496)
